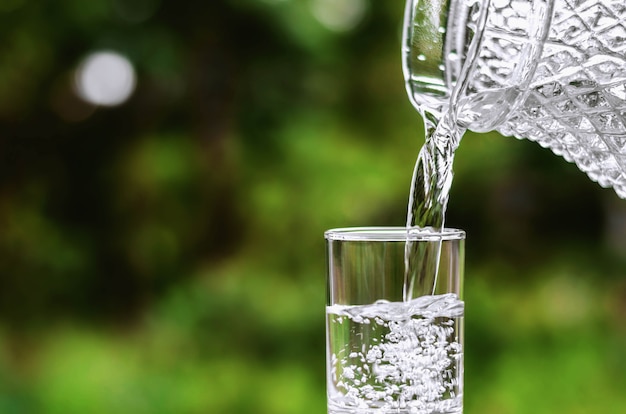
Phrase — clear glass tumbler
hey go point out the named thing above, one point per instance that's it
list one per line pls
(385, 354)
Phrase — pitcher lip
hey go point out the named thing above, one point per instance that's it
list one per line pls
(390, 233)
(433, 80)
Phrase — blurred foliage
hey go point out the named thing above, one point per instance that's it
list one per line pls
(166, 255)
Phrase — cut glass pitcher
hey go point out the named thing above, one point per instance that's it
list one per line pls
(552, 71)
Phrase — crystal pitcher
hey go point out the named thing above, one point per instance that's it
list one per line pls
(552, 71)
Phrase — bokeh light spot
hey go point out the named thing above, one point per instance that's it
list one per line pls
(339, 16)
(105, 78)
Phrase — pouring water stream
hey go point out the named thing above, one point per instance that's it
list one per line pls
(432, 174)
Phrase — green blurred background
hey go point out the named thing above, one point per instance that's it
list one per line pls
(166, 255)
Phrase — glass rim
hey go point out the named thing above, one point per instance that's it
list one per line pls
(381, 233)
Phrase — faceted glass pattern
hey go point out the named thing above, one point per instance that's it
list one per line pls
(576, 105)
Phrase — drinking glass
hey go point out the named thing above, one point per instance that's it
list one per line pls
(386, 353)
